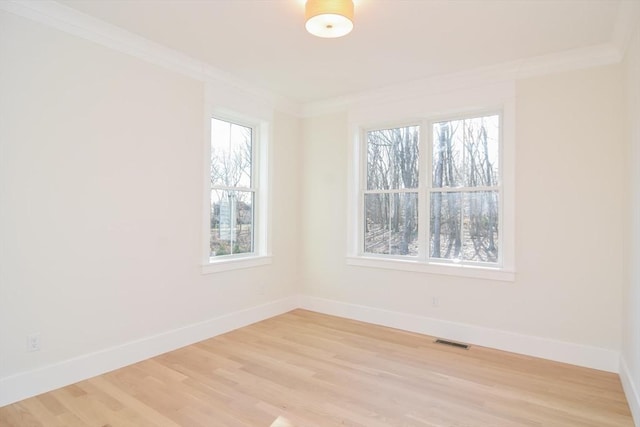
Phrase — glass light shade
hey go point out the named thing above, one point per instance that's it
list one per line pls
(329, 18)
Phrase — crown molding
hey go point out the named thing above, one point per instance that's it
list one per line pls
(71, 21)
(627, 23)
(570, 60)
(575, 59)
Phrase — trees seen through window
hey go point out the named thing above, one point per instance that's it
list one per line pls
(232, 189)
(460, 192)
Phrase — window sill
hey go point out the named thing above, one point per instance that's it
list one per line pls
(475, 272)
(235, 263)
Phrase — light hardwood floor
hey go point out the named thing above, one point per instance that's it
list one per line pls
(308, 369)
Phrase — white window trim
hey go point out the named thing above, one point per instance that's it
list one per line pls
(498, 101)
(236, 263)
(261, 254)
(420, 266)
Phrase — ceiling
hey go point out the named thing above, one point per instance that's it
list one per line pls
(264, 43)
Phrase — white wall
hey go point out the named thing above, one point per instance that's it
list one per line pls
(631, 343)
(570, 190)
(324, 189)
(571, 205)
(101, 211)
(101, 183)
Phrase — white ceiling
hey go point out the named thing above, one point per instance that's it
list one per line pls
(264, 43)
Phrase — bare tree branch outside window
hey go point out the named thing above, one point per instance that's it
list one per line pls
(232, 192)
(391, 199)
(463, 194)
(464, 221)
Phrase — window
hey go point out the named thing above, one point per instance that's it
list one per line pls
(431, 193)
(391, 195)
(464, 191)
(233, 193)
(235, 223)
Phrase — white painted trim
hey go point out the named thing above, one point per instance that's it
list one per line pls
(82, 25)
(468, 102)
(575, 354)
(261, 183)
(630, 390)
(626, 24)
(72, 21)
(570, 60)
(219, 265)
(420, 266)
(576, 59)
(26, 384)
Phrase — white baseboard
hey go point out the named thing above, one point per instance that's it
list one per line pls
(27, 384)
(575, 354)
(630, 390)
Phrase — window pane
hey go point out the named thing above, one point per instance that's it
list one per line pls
(231, 222)
(448, 148)
(465, 152)
(392, 158)
(464, 226)
(445, 230)
(482, 148)
(376, 230)
(480, 230)
(230, 154)
(391, 224)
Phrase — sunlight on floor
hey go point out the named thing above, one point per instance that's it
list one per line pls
(282, 422)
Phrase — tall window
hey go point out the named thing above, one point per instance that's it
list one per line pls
(434, 195)
(233, 189)
(391, 196)
(464, 190)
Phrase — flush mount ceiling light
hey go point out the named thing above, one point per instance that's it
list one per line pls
(329, 18)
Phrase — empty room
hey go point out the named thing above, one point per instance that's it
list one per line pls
(288, 213)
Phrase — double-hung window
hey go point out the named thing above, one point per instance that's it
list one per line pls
(233, 191)
(431, 194)
(464, 190)
(235, 221)
(391, 194)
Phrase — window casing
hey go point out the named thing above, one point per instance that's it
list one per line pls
(235, 227)
(435, 201)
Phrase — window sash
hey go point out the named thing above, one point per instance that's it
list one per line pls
(401, 190)
(225, 188)
(401, 226)
(468, 225)
(435, 190)
(253, 190)
(235, 222)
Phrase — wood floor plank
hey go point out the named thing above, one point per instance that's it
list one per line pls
(308, 369)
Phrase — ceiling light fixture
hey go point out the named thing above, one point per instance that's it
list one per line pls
(329, 18)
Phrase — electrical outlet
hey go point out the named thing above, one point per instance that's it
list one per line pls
(33, 342)
(435, 301)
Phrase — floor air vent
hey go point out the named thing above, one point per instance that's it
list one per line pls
(452, 344)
